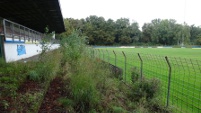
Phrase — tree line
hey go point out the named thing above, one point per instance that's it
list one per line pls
(123, 32)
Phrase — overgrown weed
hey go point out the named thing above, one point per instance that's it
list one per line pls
(94, 87)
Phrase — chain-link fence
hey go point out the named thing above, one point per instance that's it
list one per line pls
(180, 77)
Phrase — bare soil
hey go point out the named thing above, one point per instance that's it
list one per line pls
(50, 103)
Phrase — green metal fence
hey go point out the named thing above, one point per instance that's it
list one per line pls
(180, 77)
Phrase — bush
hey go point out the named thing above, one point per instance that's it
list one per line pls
(117, 72)
(72, 48)
(147, 89)
(146, 94)
(135, 74)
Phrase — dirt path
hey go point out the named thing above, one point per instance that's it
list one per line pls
(50, 103)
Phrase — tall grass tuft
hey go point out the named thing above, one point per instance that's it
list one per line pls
(84, 93)
(72, 48)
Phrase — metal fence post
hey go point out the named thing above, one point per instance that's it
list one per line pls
(169, 80)
(141, 66)
(93, 53)
(99, 53)
(115, 61)
(108, 56)
(103, 55)
(124, 64)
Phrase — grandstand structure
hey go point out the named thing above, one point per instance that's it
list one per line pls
(22, 25)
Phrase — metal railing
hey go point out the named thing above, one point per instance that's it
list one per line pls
(15, 32)
(180, 77)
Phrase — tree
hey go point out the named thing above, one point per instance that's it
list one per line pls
(186, 35)
(107, 32)
(195, 33)
(125, 40)
(198, 41)
(134, 32)
(146, 33)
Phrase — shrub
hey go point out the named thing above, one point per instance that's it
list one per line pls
(146, 94)
(72, 48)
(135, 74)
(118, 72)
(147, 89)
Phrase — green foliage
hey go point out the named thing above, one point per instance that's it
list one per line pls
(66, 102)
(118, 110)
(41, 72)
(14, 74)
(109, 32)
(8, 86)
(147, 89)
(5, 104)
(72, 47)
(11, 76)
(125, 40)
(135, 74)
(45, 69)
(46, 42)
(93, 87)
(47, 65)
(29, 102)
(88, 78)
(198, 42)
(2, 62)
(84, 92)
(104, 32)
(33, 75)
(146, 94)
(83, 89)
(168, 32)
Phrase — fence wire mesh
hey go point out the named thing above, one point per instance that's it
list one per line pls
(180, 78)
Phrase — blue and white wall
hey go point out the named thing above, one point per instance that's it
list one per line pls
(18, 51)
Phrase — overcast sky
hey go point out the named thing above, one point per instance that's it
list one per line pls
(141, 11)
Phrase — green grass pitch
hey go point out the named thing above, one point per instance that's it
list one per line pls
(185, 88)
